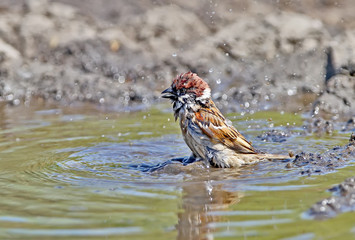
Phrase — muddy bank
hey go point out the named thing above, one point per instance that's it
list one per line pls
(321, 163)
(343, 200)
(338, 98)
(254, 55)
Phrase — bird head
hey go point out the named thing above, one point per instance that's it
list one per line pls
(188, 88)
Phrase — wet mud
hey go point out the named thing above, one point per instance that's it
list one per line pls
(274, 136)
(342, 199)
(349, 125)
(321, 163)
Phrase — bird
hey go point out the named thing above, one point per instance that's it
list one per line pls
(209, 135)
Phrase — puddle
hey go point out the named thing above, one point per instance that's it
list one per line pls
(67, 173)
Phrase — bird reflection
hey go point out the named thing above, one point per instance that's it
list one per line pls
(2, 116)
(199, 201)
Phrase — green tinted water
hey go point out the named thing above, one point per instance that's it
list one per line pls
(66, 174)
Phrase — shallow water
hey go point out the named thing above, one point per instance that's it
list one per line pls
(70, 173)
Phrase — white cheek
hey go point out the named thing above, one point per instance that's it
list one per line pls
(205, 95)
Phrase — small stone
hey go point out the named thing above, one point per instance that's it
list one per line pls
(289, 165)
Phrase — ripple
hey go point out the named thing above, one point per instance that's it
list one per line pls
(251, 223)
(108, 164)
(74, 232)
(305, 236)
(250, 213)
(77, 177)
(43, 220)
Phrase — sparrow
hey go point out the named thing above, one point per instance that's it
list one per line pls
(209, 135)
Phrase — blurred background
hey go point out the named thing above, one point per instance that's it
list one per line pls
(256, 55)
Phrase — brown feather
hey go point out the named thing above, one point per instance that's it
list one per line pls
(214, 125)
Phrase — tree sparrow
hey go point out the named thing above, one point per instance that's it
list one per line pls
(205, 130)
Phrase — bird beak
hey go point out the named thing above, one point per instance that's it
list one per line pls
(169, 93)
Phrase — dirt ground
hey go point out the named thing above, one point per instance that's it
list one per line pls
(256, 55)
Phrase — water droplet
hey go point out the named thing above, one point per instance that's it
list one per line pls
(121, 79)
(16, 102)
(102, 100)
(291, 92)
(316, 110)
(145, 100)
(174, 55)
(10, 97)
(211, 70)
(218, 81)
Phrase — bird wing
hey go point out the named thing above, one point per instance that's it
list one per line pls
(214, 125)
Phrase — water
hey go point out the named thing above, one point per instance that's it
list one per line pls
(68, 173)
